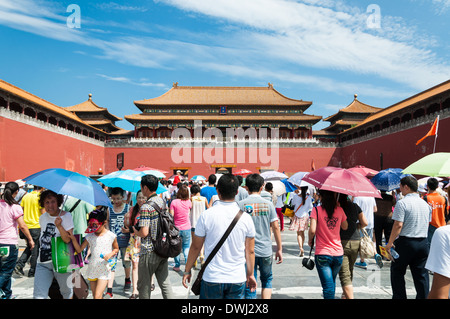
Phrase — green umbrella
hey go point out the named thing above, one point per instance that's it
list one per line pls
(436, 164)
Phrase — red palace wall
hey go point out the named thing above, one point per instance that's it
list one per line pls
(25, 149)
(399, 149)
(291, 160)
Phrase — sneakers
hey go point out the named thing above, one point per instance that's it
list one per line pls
(127, 285)
(362, 265)
(19, 271)
(379, 260)
(108, 295)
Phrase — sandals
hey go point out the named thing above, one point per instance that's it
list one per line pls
(134, 296)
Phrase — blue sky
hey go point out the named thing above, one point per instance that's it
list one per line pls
(321, 51)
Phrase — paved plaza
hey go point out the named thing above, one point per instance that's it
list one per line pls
(291, 280)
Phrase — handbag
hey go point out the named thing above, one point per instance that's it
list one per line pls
(197, 283)
(288, 209)
(64, 257)
(366, 247)
(307, 262)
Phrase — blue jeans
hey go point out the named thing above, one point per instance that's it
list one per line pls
(186, 242)
(328, 267)
(7, 265)
(265, 269)
(212, 290)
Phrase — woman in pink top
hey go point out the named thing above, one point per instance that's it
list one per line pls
(326, 222)
(180, 209)
(11, 217)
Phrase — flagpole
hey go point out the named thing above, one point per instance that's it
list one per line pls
(435, 137)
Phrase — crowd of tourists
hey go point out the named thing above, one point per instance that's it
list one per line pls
(411, 222)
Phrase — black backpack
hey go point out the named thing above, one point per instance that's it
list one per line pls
(168, 241)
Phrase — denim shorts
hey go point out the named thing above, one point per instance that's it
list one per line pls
(264, 264)
(213, 290)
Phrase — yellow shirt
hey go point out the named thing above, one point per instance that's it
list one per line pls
(31, 209)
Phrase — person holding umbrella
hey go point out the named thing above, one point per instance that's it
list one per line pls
(54, 222)
(326, 222)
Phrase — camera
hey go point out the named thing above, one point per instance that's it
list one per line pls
(308, 263)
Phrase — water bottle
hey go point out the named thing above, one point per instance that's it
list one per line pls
(394, 254)
(110, 263)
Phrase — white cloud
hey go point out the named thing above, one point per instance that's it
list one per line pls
(271, 39)
(310, 34)
(140, 82)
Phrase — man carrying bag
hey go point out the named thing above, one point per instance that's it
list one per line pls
(231, 269)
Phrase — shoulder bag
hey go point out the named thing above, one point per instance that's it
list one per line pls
(197, 283)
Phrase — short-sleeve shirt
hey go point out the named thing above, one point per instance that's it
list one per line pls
(415, 214)
(8, 222)
(208, 192)
(263, 213)
(49, 230)
(149, 218)
(439, 257)
(228, 265)
(181, 210)
(31, 209)
(328, 239)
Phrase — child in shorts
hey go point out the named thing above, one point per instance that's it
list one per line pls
(103, 247)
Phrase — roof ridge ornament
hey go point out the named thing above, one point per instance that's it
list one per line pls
(90, 97)
(175, 84)
(356, 96)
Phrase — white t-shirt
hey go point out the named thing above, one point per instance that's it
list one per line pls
(367, 205)
(439, 257)
(49, 230)
(228, 265)
(304, 210)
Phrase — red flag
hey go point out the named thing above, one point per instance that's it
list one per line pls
(433, 131)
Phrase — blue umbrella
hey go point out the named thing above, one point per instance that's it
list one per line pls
(66, 182)
(129, 180)
(388, 179)
(289, 186)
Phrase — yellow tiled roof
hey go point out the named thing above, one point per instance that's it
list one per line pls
(216, 95)
(90, 106)
(355, 107)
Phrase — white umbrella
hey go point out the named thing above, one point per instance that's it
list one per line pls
(278, 188)
(273, 176)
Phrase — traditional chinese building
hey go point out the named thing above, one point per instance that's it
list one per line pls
(95, 115)
(36, 134)
(223, 107)
(347, 117)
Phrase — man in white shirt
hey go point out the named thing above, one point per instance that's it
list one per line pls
(231, 269)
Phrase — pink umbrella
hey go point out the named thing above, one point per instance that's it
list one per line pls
(242, 172)
(343, 181)
(146, 168)
(365, 171)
